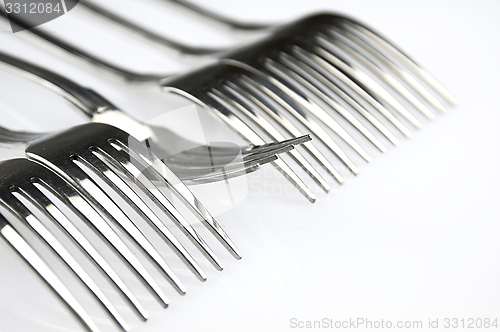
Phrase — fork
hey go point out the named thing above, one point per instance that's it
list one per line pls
(146, 162)
(292, 63)
(191, 164)
(59, 164)
(106, 152)
(362, 40)
(347, 29)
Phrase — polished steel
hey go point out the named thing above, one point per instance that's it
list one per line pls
(290, 73)
(68, 165)
(187, 162)
(19, 244)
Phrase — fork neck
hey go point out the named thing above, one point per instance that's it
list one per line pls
(87, 101)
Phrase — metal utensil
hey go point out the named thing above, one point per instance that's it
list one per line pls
(315, 56)
(203, 164)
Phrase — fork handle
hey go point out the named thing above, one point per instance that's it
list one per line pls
(86, 100)
(233, 24)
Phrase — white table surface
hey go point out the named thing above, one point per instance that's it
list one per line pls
(414, 237)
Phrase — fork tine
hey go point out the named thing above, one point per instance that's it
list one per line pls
(222, 176)
(125, 166)
(304, 55)
(128, 194)
(327, 119)
(24, 214)
(24, 174)
(195, 91)
(95, 194)
(50, 209)
(393, 67)
(76, 202)
(361, 78)
(295, 141)
(304, 118)
(79, 204)
(318, 112)
(229, 167)
(174, 184)
(404, 59)
(245, 90)
(380, 73)
(272, 132)
(20, 245)
(63, 159)
(288, 59)
(246, 151)
(291, 98)
(138, 151)
(282, 167)
(231, 160)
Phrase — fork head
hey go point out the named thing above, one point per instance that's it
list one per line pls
(324, 57)
(24, 178)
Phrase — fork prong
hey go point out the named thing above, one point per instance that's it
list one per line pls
(140, 154)
(404, 59)
(45, 272)
(229, 167)
(304, 55)
(50, 209)
(295, 141)
(108, 175)
(295, 102)
(140, 178)
(289, 60)
(319, 112)
(236, 102)
(303, 117)
(333, 39)
(231, 160)
(245, 90)
(82, 208)
(280, 164)
(327, 119)
(223, 175)
(332, 59)
(97, 195)
(391, 65)
(198, 94)
(211, 169)
(24, 214)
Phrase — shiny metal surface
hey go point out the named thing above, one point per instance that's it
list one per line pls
(61, 164)
(20, 176)
(98, 109)
(46, 273)
(295, 61)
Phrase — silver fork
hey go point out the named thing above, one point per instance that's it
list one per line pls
(350, 29)
(57, 163)
(204, 164)
(362, 40)
(116, 157)
(103, 158)
(290, 65)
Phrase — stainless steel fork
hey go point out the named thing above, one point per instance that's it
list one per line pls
(81, 155)
(327, 57)
(68, 165)
(203, 164)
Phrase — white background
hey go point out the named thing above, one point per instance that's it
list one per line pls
(414, 237)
